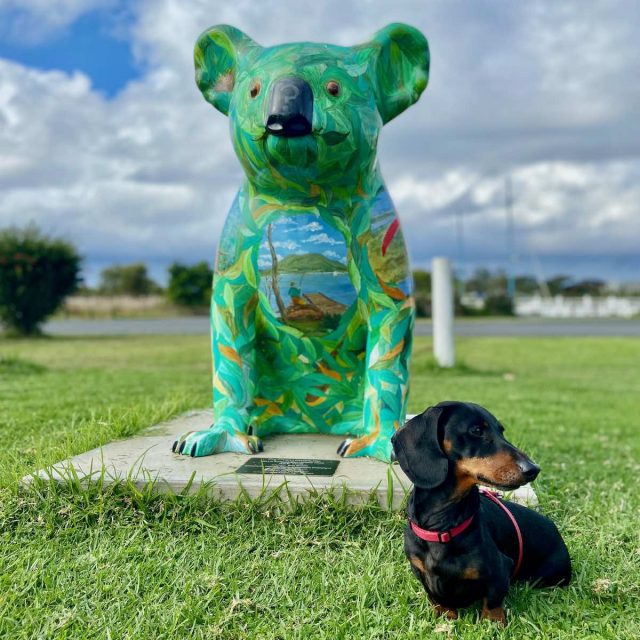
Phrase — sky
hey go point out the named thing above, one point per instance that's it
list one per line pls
(105, 139)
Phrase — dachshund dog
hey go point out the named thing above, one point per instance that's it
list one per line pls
(463, 544)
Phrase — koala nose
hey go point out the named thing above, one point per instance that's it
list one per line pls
(290, 108)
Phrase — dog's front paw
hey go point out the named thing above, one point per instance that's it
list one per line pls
(450, 614)
(216, 440)
(495, 615)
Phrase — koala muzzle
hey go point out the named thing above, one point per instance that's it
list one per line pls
(290, 108)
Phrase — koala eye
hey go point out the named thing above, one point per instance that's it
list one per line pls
(476, 430)
(255, 88)
(333, 88)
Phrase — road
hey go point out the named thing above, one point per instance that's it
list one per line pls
(476, 328)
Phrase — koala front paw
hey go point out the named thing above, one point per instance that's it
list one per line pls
(216, 440)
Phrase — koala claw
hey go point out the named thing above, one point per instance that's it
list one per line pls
(344, 445)
(178, 445)
(367, 445)
(216, 440)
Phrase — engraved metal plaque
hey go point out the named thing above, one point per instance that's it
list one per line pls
(289, 466)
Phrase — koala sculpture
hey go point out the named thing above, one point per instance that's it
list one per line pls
(312, 310)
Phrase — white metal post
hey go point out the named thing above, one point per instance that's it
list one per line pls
(442, 312)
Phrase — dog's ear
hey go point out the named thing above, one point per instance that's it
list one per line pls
(418, 451)
(216, 58)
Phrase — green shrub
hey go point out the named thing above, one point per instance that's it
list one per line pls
(36, 274)
(499, 305)
(190, 286)
(130, 279)
(422, 293)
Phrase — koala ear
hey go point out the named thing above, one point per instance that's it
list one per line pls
(216, 60)
(400, 68)
(418, 451)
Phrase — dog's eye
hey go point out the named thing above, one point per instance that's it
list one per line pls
(333, 88)
(476, 430)
(255, 88)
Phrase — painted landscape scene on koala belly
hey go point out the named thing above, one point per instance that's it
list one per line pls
(303, 273)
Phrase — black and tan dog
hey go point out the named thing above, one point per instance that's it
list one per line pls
(464, 545)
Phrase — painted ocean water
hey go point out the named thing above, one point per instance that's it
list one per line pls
(334, 285)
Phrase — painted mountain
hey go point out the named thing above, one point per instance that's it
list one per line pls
(307, 263)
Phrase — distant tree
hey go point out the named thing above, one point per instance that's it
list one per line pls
(422, 281)
(586, 287)
(131, 279)
(190, 286)
(498, 305)
(487, 283)
(526, 284)
(36, 274)
(498, 284)
(422, 292)
(557, 284)
(479, 282)
(492, 287)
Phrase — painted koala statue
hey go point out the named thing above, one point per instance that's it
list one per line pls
(312, 310)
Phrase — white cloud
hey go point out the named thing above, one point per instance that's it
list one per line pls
(290, 245)
(33, 21)
(321, 238)
(575, 209)
(312, 226)
(432, 194)
(151, 173)
(333, 255)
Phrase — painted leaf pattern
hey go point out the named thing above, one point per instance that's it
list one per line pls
(311, 320)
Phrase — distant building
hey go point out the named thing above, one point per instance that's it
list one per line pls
(622, 288)
(578, 306)
(473, 300)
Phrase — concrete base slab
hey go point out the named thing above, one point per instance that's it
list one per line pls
(294, 459)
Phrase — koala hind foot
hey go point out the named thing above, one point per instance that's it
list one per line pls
(369, 445)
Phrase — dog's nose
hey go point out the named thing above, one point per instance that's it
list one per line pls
(529, 469)
(290, 108)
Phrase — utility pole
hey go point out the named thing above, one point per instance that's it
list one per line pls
(442, 312)
(508, 204)
(460, 251)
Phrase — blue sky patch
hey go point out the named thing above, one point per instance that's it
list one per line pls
(89, 45)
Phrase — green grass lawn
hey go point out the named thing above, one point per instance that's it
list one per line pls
(117, 563)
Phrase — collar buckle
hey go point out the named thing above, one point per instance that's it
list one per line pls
(444, 536)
